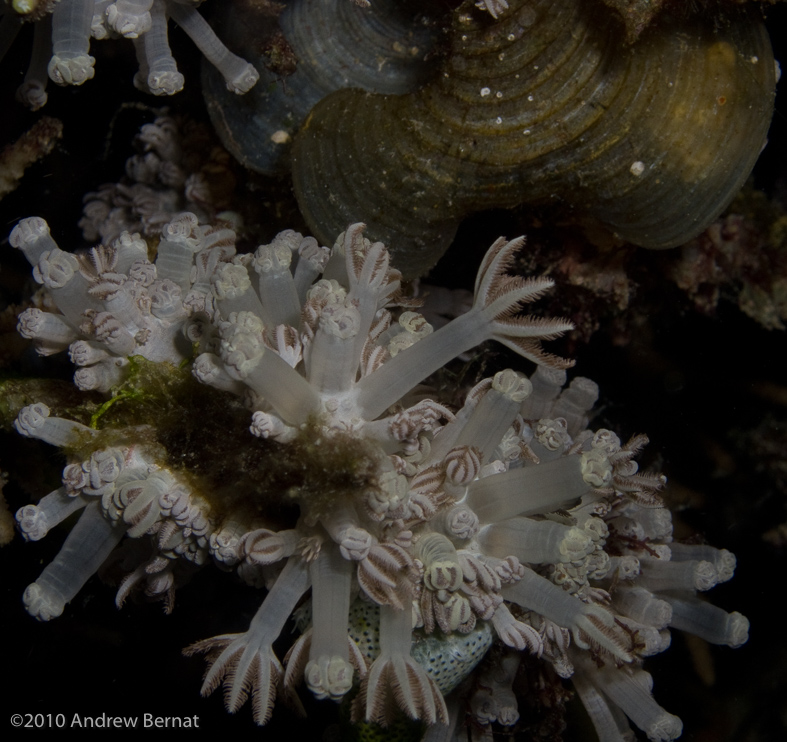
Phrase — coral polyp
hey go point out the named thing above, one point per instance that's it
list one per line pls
(63, 30)
(267, 412)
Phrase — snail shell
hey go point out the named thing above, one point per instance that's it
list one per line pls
(546, 104)
(382, 49)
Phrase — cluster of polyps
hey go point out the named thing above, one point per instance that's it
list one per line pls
(62, 44)
(178, 168)
(506, 518)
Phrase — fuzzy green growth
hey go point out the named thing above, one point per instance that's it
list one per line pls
(62, 398)
(203, 435)
(321, 466)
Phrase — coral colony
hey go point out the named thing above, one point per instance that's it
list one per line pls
(178, 168)
(407, 536)
(64, 28)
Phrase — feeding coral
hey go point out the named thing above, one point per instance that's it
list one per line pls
(63, 30)
(358, 497)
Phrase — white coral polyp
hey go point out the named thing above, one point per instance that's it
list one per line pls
(505, 517)
(144, 22)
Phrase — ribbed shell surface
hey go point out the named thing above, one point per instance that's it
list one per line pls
(385, 49)
(547, 104)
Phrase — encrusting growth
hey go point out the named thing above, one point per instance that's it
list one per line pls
(356, 498)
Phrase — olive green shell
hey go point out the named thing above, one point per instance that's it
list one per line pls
(547, 104)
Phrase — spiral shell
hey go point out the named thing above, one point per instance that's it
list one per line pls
(547, 104)
(336, 44)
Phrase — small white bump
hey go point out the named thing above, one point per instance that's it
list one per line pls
(637, 168)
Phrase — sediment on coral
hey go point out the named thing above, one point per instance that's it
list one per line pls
(266, 413)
